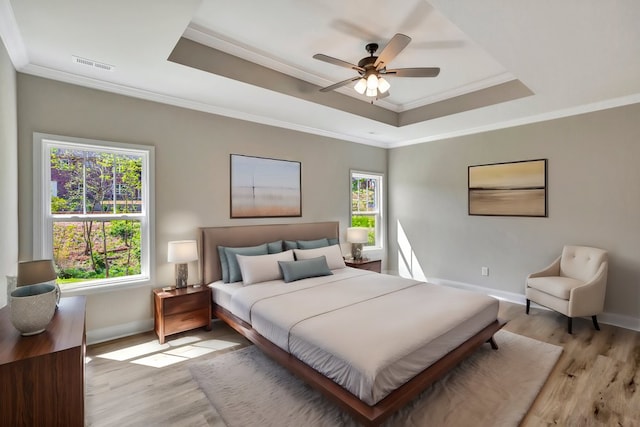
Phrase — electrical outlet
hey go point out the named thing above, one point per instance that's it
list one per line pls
(485, 271)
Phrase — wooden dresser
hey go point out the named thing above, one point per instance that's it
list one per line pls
(42, 376)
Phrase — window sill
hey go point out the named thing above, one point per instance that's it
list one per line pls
(90, 289)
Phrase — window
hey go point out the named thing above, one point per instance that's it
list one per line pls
(366, 206)
(93, 210)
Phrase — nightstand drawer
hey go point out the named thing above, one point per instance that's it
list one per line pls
(186, 303)
(186, 321)
(366, 264)
(371, 266)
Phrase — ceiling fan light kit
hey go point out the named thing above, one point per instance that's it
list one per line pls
(370, 68)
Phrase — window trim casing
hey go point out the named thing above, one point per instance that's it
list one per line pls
(42, 222)
(380, 225)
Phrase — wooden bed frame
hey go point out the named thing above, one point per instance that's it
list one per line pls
(369, 415)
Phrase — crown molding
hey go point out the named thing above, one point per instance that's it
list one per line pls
(11, 37)
(49, 73)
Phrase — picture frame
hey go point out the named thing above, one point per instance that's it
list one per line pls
(508, 189)
(264, 188)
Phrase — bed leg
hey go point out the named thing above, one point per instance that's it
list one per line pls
(493, 343)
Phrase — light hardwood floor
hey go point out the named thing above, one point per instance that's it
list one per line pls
(593, 384)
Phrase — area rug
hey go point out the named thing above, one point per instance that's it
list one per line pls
(491, 388)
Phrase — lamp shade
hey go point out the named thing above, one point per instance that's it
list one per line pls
(182, 251)
(33, 272)
(357, 235)
(383, 85)
(361, 86)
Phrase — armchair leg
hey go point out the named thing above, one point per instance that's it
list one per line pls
(595, 322)
(569, 325)
(528, 305)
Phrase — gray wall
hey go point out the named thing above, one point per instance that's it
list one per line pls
(8, 173)
(192, 173)
(593, 199)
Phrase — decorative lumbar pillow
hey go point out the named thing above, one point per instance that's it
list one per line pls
(262, 268)
(332, 254)
(275, 247)
(303, 269)
(313, 244)
(333, 241)
(235, 275)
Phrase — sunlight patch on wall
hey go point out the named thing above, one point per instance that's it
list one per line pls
(408, 265)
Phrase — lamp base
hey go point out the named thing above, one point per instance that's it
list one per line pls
(182, 273)
(356, 251)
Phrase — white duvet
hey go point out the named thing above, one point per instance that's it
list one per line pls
(368, 332)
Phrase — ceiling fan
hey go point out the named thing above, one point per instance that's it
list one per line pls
(372, 69)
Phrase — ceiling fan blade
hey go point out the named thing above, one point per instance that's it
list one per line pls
(391, 50)
(414, 72)
(339, 84)
(382, 95)
(336, 61)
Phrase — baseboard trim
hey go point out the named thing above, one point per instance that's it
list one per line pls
(96, 336)
(614, 319)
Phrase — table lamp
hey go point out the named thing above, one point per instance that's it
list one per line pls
(357, 236)
(181, 252)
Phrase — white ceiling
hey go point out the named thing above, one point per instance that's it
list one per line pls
(574, 55)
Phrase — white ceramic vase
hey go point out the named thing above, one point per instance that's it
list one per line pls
(33, 307)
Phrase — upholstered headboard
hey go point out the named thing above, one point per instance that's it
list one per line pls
(251, 235)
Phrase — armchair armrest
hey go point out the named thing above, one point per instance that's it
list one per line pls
(588, 299)
(551, 270)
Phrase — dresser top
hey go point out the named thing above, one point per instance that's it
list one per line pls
(65, 331)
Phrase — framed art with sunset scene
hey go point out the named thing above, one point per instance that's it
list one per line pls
(263, 187)
(509, 189)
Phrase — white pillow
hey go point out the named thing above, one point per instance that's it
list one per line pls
(262, 268)
(332, 254)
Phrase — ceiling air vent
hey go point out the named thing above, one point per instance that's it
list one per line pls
(91, 63)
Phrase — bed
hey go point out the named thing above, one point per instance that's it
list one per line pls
(396, 337)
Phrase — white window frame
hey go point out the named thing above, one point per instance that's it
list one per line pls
(379, 229)
(43, 219)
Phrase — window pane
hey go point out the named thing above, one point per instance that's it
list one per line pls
(128, 183)
(97, 181)
(66, 182)
(366, 221)
(363, 194)
(90, 250)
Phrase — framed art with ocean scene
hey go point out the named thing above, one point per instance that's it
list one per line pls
(262, 187)
(509, 189)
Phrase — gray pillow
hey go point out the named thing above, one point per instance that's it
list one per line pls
(313, 244)
(303, 269)
(224, 265)
(275, 247)
(235, 275)
(290, 244)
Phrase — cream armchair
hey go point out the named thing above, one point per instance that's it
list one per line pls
(574, 284)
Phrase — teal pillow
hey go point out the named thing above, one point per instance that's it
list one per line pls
(235, 275)
(313, 244)
(224, 265)
(303, 269)
(275, 247)
(290, 244)
(333, 241)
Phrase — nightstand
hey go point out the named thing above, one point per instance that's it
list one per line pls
(179, 310)
(365, 264)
